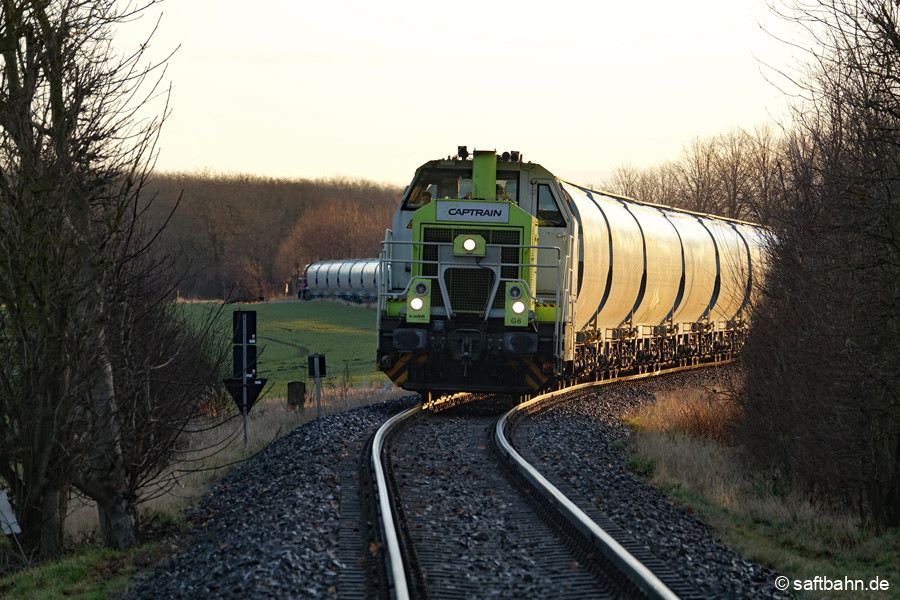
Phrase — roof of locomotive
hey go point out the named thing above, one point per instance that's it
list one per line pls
(455, 162)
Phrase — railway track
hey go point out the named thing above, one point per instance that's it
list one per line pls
(453, 492)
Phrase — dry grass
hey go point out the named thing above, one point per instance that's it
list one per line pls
(680, 443)
(697, 412)
(213, 452)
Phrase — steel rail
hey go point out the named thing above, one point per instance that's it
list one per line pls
(639, 574)
(388, 525)
(642, 577)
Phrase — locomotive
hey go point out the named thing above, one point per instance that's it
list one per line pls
(499, 276)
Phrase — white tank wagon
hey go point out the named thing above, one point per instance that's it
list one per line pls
(660, 275)
(666, 266)
(350, 279)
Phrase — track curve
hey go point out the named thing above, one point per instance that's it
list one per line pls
(630, 571)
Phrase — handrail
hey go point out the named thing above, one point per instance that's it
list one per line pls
(386, 257)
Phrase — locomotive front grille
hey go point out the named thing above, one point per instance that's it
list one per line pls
(470, 288)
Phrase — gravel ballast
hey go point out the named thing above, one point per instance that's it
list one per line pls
(271, 528)
(581, 442)
(475, 535)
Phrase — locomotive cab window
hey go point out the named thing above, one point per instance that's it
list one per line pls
(508, 186)
(548, 213)
(433, 184)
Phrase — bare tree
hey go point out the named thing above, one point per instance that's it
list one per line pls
(48, 243)
(733, 167)
(77, 279)
(625, 180)
(823, 400)
(697, 176)
(764, 153)
(659, 185)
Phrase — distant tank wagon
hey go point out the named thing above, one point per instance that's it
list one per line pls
(499, 276)
(352, 279)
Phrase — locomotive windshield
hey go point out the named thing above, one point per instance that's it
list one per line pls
(456, 183)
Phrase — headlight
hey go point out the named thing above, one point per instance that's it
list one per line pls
(518, 306)
(469, 245)
(418, 301)
(515, 292)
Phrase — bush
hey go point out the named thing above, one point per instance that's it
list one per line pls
(821, 402)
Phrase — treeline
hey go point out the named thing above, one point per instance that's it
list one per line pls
(243, 237)
(734, 175)
(821, 403)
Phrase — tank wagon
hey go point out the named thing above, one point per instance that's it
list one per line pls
(499, 276)
(351, 279)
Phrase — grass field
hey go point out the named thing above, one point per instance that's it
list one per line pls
(288, 332)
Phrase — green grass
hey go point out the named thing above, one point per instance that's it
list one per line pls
(87, 573)
(288, 332)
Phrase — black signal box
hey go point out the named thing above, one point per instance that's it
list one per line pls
(243, 328)
(316, 363)
(238, 361)
(237, 326)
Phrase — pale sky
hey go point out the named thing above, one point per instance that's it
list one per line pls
(296, 88)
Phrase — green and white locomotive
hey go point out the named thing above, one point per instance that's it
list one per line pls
(498, 276)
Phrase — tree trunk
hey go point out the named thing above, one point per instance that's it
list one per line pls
(41, 524)
(118, 528)
(101, 481)
(51, 526)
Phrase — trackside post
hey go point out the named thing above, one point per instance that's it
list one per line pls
(317, 371)
(243, 385)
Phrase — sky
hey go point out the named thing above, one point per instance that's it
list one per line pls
(303, 89)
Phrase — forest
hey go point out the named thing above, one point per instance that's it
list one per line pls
(241, 237)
